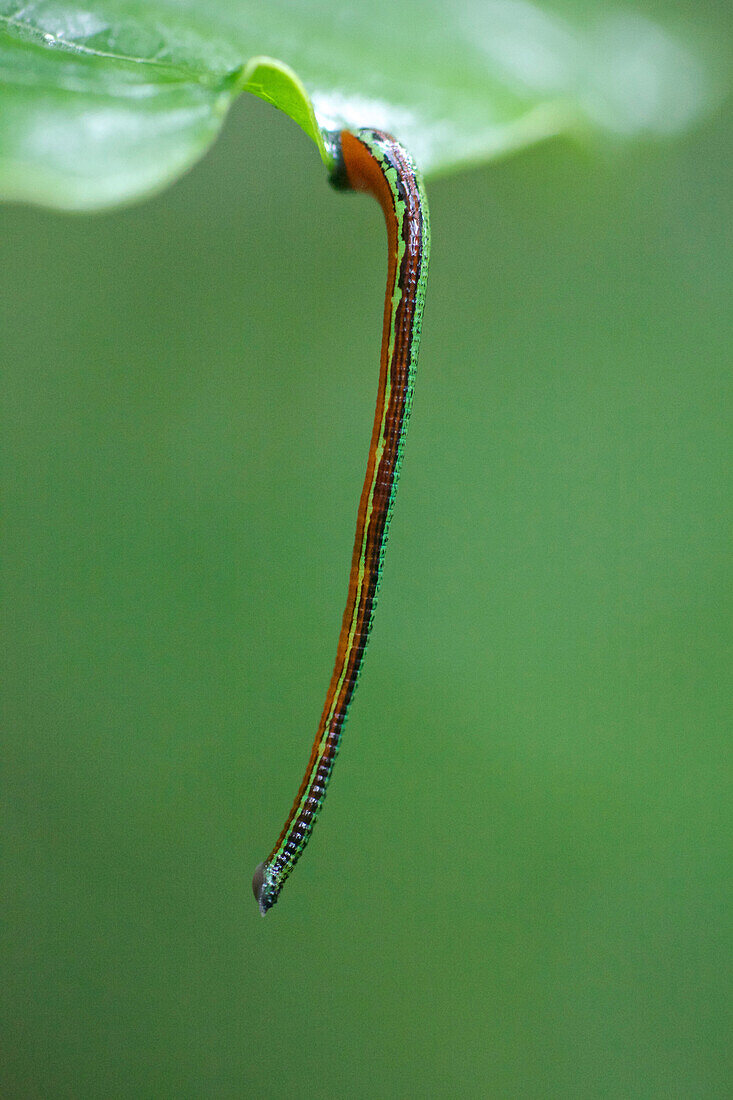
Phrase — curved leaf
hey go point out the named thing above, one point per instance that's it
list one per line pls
(103, 103)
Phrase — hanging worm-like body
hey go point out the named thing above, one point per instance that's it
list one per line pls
(372, 161)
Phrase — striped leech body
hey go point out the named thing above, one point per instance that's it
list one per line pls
(372, 161)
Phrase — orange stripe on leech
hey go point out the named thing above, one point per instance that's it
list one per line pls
(364, 173)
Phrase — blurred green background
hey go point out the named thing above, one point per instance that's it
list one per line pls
(518, 883)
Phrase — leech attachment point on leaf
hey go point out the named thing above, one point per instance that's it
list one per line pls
(371, 161)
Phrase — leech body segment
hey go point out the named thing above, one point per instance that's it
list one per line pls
(372, 161)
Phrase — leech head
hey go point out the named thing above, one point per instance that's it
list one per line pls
(258, 887)
(263, 887)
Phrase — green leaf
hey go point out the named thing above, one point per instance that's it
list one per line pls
(104, 102)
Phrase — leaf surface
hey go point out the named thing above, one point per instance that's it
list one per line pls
(105, 102)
